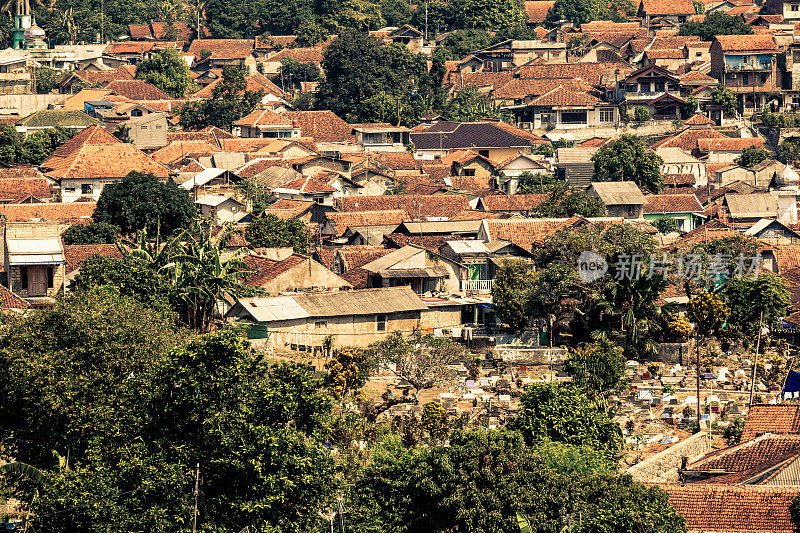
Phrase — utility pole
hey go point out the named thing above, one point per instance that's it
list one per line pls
(755, 362)
(196, 489)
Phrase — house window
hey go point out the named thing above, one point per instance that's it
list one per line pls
(484, 153)
(158, 126)
(606, 115)
(136, 113)
(86, 188)
(659, 86)
(50, 275)
(319, 199)
(143, 127)
(23, 277)
(468, 172)
(381, 323)
(573, 117)
(698, 54)
(319, 324)
(69, 189)
(795, 7)
(764, 78)
(745, 78)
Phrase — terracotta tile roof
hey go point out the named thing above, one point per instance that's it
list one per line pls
(429, 242)
(322, 126)
(698, 120)
(747, 43)
(171, 107)
(268, 42)
(340, 221)
(664, 54)
(286, 209)
(263, 270)
(672, 42)
(566, 96)
(788, 257)
(417, 206)
(10, 300)
(301, 55)
(536, 11)
(473, 185)
(222, 48)
(729, 145)
(671, 203)
(263, 117)
(516, 202)
(15, 189)
(475, 215)
(211, 135)
(255, 82)
(594, 142)
(687, 139)
(137, 90)
(357, 277)
(308, 185)
(748, 454)
(766, 418)
(668, 7)
(732, 509)
(94, 135)
(72, 213)
(526, 232)
(110, 161)
(695, 77)
(180, 150)
(477, 79)
(100, 77)
(591, 73)
(679, 180)
(399, 160)
(76, 254)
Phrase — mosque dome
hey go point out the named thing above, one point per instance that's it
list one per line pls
(787, 177)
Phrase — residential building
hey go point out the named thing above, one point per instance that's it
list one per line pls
(221, 209)
(302, 322)
(748, 66)
(494, 140)
(685, 209)
(148, 132)
(284, 271)
(382, 137)
(34, 261)
(421, 269)
(620, 198)
(265, 123)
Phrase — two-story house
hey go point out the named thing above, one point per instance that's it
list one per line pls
(654, 88)
(674, 11)
(748, 66)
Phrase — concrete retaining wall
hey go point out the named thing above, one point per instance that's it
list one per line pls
(663, 466)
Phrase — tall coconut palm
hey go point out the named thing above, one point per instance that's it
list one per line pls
(63, 28)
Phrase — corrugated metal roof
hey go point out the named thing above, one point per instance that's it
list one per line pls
(762, 205)
(35, 251)
(388, 260)
(468, 247)
(202, 177)
(336, 303)
(363, 302)
(618, 192)
(273, 309)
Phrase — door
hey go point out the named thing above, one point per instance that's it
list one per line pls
(37, 281)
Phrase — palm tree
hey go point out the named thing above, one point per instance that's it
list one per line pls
(62, 26)
(201, 277)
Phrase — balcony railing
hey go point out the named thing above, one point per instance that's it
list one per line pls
(478, 285)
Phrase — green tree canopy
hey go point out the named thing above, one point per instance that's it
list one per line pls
(598, 367)
(230, 101)
(716, 23)
(487, 14)
(142, 201)
(166, 70)
(93, 233)
(270, 231)
(747, 298)
(751, 156)
(583, 11)
(565, 201)
(510, 292)
(724, 97)
(461, 43)
(561, 412)
(628, 159)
